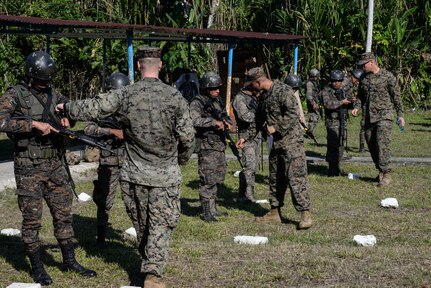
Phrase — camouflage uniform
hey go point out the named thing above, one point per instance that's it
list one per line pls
(287, 162)
(108, 172)
(334, 110)
(247, 119)
(40, 170)
(378, 96)
(312, 94)
(159, 135)
(212, 160)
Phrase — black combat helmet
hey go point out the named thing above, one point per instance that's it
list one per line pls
(210, 80)
(336, 75)
(313, 73)
(40, 65)
(293, 81)
(357, 73)
(116, 81)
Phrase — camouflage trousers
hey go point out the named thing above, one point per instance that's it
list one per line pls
(334, 151)
(47, 181)
(104, 191)
(249, 159)
(286, 170)
(155, 212)
(212, 171)
(378, 137)
(362, 133)
(313, 117)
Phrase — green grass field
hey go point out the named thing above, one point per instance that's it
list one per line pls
(205, 255)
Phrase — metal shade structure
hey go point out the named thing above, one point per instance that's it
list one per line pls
(58, 28)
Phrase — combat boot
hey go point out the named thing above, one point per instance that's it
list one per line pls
(70, 263)
(333, 169)
(306, 221)
(38, 272)
(273, 216)
(153, 281)
(379, 177)
(101, 235)
(386, 179)
(206, 212)
(214, 211)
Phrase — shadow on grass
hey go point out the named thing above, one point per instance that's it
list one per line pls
(114, 251)
(12, 250)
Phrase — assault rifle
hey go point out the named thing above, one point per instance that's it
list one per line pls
(308, 132)
(224, 116)
(67, 133)
(340, 94)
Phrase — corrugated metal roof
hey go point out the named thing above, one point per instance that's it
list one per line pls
(10, 24)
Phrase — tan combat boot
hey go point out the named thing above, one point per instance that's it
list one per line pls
(153, 281)
(386, 179)
(379, 177)
(273, 216)
(306, 221)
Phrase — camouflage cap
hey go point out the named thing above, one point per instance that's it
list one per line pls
(366, 57)
(149, 52)
(252, 75)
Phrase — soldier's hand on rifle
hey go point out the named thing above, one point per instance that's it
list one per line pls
(270, 130)
(65, 122)
(117, 133)
(43, 127)
(345, 101)
(355, 112)
(219, 125)
(59, 107)
(240, 143)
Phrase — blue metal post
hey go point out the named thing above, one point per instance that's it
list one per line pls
(130, 56)
(295, 58)
(229, 76)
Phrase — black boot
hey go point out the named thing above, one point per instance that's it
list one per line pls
(38, 272)
(214, 211)
(101, 235)
(206, 212)
(70, 263)
(333, 169)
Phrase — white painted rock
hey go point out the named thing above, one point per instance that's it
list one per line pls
(84, 197)
(24, 285)
(365, 240)
(262, 201)
(389, 202)
(131, 231)
(236, 174)
(253, 240)
(10, 232)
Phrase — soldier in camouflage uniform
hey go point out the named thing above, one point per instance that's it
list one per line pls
(287, 162)
(159, 136)
(39, 163)
(336, 105)
(212, 143)
(378, 95)
(249, 122)
(312, 92)
(110, 134)
(349, 86)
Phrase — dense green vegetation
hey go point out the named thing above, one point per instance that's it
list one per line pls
(336, 32)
